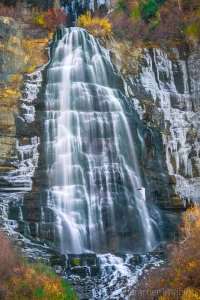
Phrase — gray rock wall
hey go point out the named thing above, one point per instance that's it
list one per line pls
(166, 94)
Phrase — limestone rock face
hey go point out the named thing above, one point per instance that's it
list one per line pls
(22, 50)
(164, 89)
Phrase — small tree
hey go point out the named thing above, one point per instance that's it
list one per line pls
(180, 279)
(148, 10)
(95, 26)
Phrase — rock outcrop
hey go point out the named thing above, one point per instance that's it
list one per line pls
(163, 86)
(23, 48)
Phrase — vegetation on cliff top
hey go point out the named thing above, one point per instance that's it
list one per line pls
(162, 22)
(21, 281)
(180, 279)
(95, 26)
(49, 19)
(165, 22)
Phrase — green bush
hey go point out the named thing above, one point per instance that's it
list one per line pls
(135, 14)
(122, 5)
(192, 33)
(148, 10)
(192, 30)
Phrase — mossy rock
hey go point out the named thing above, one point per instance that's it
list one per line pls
(76, 262)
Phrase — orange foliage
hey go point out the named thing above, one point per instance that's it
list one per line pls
(95, 26)
(180, 279)
(19, 280)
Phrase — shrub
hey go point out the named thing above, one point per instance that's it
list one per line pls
(181, 277)
(8, 259)
(154, 22)
(38, 19)
(192, 33)
(158, 22)
(40, 282)
(135, 14)
(148, 10)
(95, 26)
(122, 5)
(49, 19)
(53, 18)
(15, 79)
(18, 280)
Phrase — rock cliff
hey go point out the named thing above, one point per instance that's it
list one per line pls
(22, 49)
(163, 86)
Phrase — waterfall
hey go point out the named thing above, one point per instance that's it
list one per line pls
(95, 186)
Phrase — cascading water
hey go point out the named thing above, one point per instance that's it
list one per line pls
(95, 186)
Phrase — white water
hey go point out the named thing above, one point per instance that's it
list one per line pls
(119, 276)
(95, 186)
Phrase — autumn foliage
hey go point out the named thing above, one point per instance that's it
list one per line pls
(21, 281)
(95, 26)
(165, 22)
(180, 279)
(49, 19)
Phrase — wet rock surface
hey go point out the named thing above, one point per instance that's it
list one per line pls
(165, 92)
(163, 80)
(116, 277)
